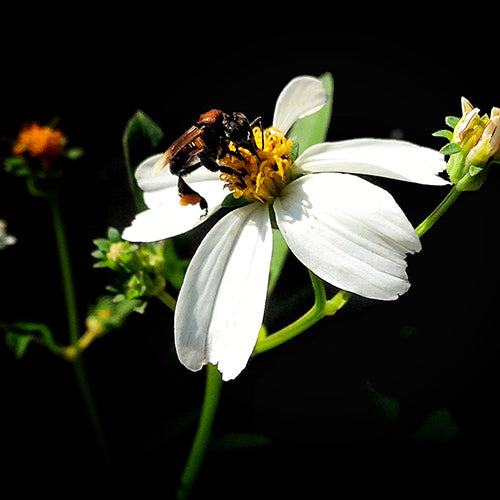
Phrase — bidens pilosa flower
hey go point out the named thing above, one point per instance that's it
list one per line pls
(346, 230)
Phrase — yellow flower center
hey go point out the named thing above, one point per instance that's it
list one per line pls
(40, 142)
(260, 176)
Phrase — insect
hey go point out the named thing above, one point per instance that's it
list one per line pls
(204, 144)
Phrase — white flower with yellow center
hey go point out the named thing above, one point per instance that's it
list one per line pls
(346, 230)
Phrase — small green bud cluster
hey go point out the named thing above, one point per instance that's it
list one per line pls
(139, 269)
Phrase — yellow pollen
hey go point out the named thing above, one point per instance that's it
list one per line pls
(40, 142)
(259, 177)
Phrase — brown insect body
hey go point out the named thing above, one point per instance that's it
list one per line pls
(204, 144)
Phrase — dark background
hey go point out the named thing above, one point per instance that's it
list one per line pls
(320, 398)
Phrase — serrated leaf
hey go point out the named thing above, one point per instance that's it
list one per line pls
(140, 138)
(314, 128)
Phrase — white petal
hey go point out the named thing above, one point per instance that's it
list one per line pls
(348, 232)
(167, 217)
(301, 97)
(221, 303)
(382, 157)
(164, 222)
(161, 188)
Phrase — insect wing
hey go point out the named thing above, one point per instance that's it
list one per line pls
(190, 135)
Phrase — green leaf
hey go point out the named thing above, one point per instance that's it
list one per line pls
(140, 138)
(314, 128)
(474, 170)
(448, 134)
(19, 335)
(450, 149)
(280, 253)
(451, 121)
(102, 244)
(18, 342)
(231, 202)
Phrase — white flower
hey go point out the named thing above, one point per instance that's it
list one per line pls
(5, 238)
(346, 230)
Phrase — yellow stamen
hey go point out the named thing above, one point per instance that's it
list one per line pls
(259, 177)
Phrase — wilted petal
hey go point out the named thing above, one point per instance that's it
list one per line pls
(302, 96)
(221, 303)
(389, 158)
(349, 232)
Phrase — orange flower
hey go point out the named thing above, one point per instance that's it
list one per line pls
(42, 142)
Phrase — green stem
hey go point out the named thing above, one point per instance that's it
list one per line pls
(66, 273)
(167, 299)
(203, 433)
(450, 198)
(72, 313)
(319, 310)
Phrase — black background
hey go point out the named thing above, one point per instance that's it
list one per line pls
(395, 73)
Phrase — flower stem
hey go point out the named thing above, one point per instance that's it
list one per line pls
(319, 310)
(203, 433)
(167, 299)
(449, 199)
(71, 311)
(66, 273)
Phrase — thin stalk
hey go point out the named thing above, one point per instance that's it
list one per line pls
(203, 433)
(66, 273)
(305, 322)
(167, 299)
(427, 223)
(72, 314)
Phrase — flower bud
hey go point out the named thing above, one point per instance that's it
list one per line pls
(474, 146)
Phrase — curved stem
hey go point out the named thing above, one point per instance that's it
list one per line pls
(305, 322)
(203, 433)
